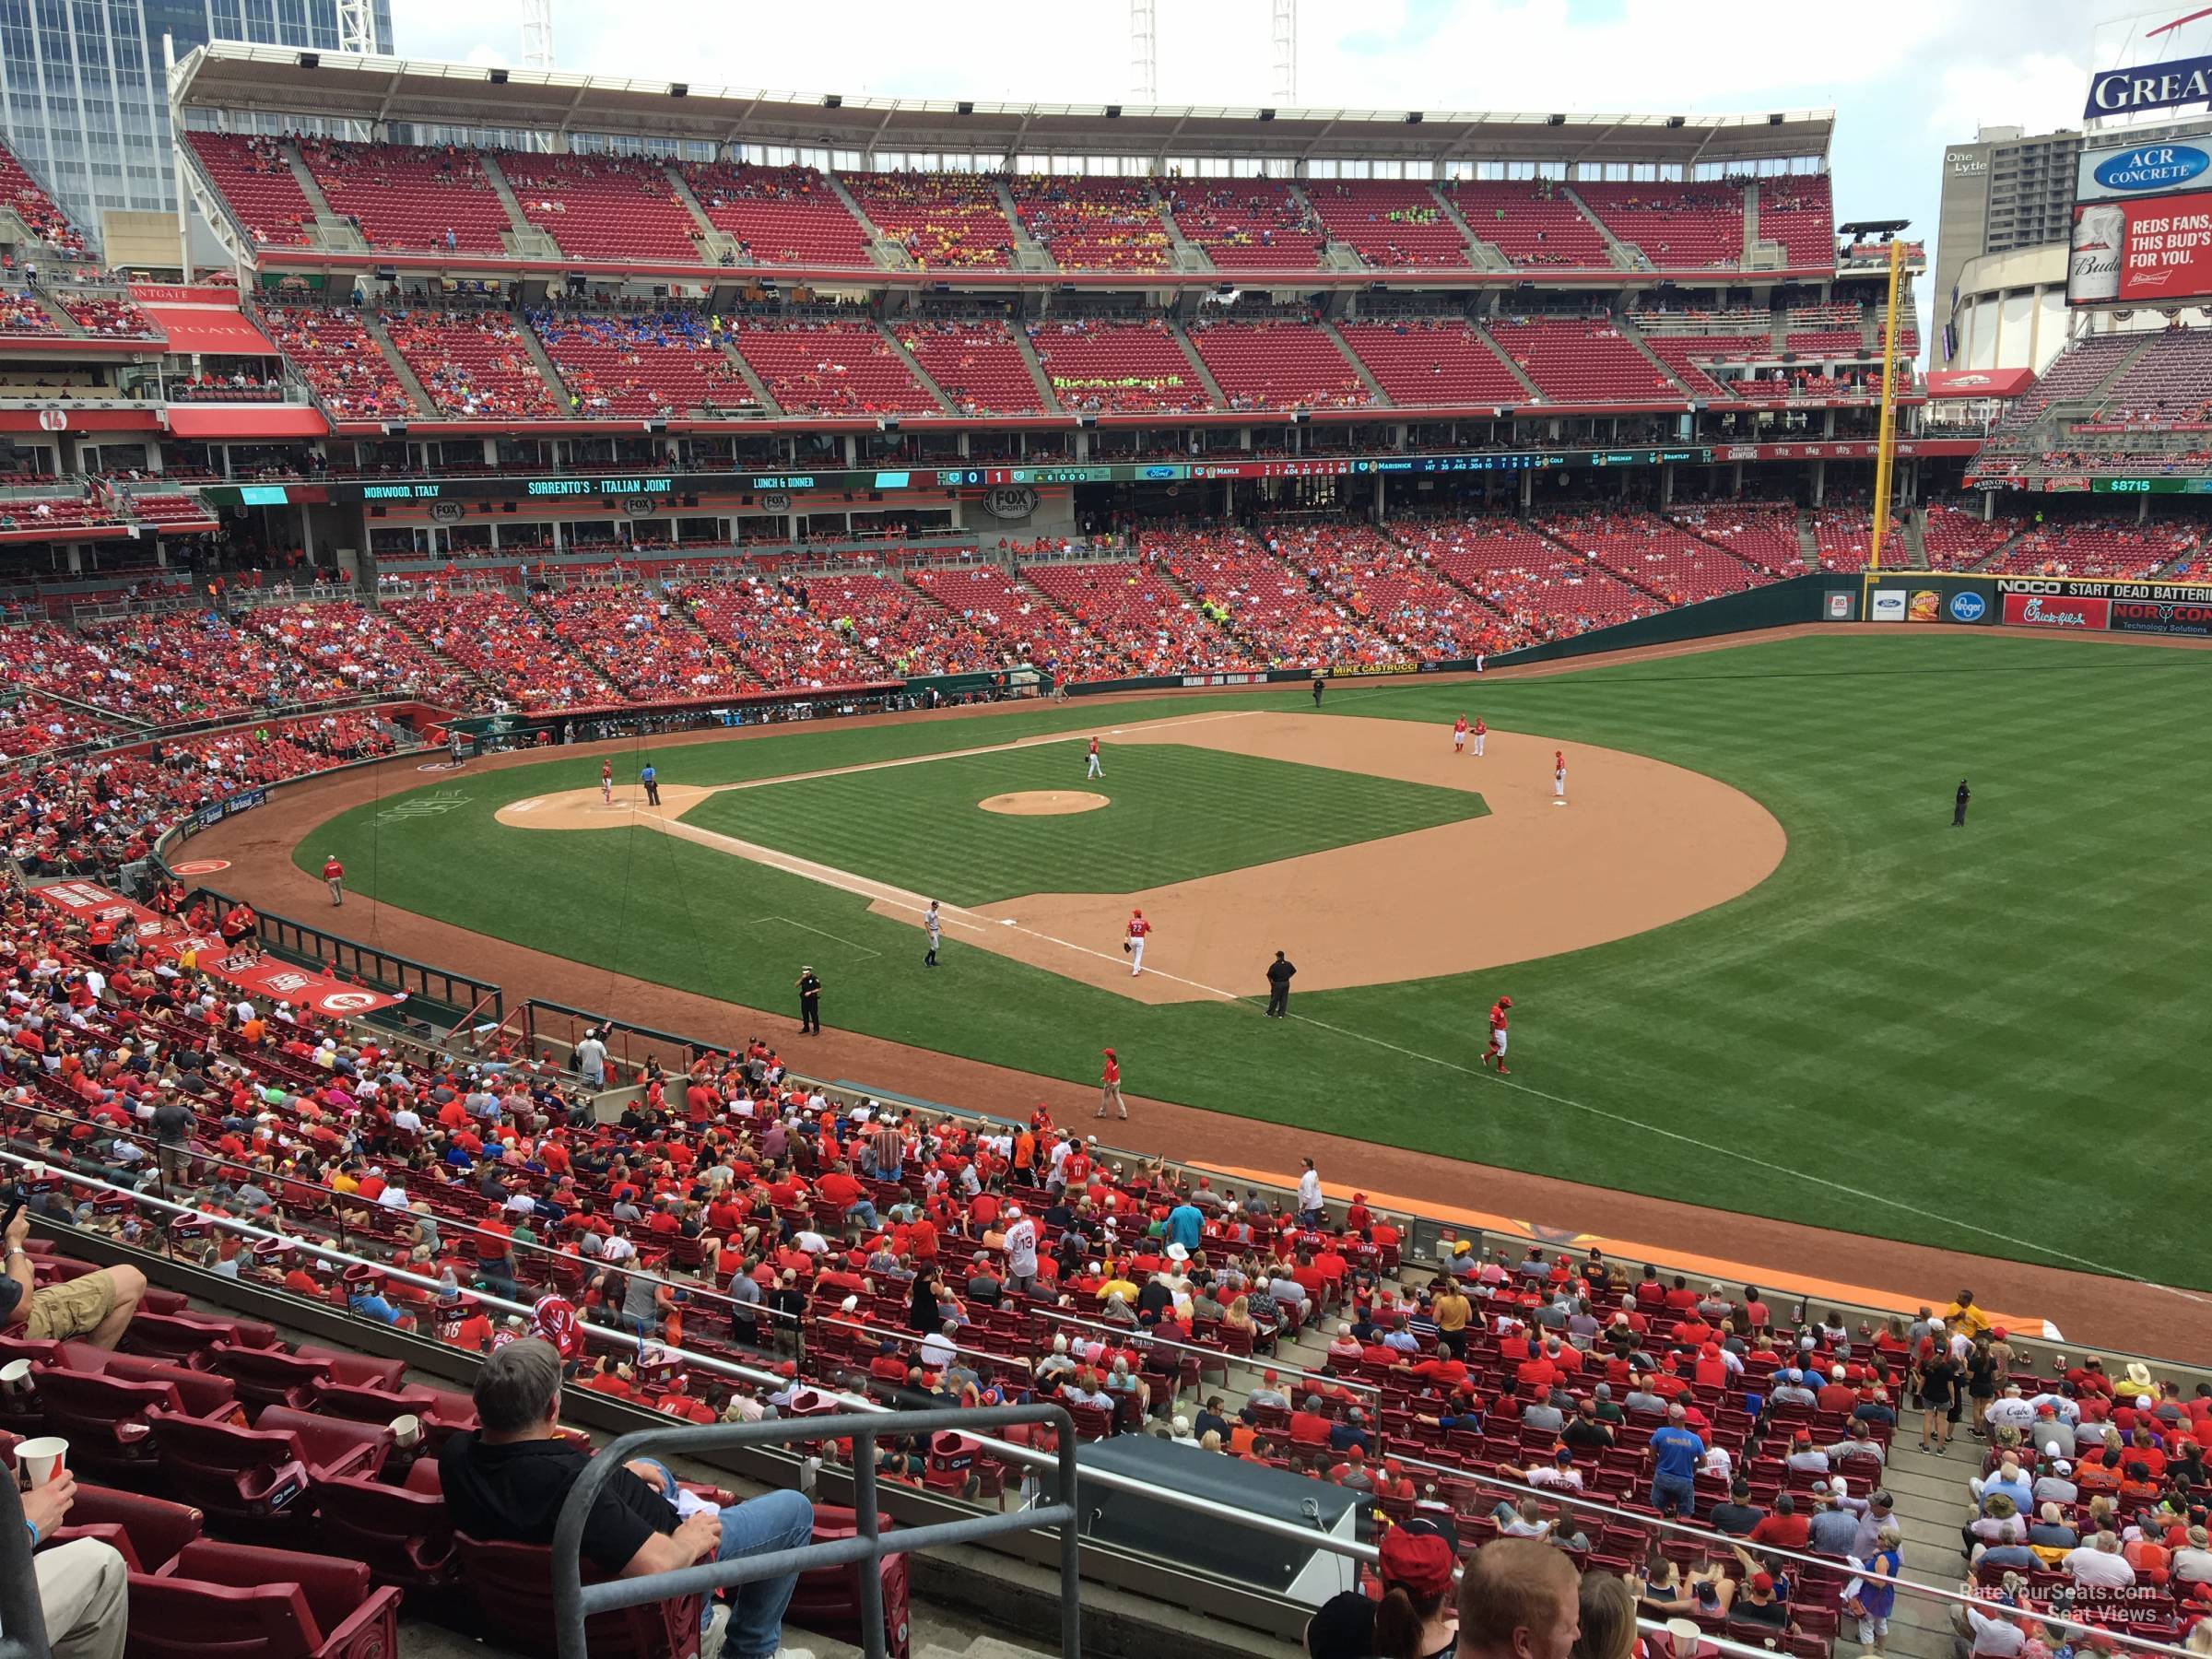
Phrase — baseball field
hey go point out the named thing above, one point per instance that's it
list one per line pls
(1753, 966)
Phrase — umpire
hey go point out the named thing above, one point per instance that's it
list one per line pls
(652, 780)
(1279, 986)
(1959, 803)
(810, 1003)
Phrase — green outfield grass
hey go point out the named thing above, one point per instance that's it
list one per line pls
(1174, 814)
(1906, 1030)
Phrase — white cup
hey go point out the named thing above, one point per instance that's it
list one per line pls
(406, 1431)
(15, 1376)
(42, 1459)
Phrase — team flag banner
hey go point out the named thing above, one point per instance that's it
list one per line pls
(242, 969)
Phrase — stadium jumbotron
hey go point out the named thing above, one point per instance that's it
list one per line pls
(658, 756)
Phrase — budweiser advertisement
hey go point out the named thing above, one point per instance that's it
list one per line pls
(2046, 610)
(2155, 251)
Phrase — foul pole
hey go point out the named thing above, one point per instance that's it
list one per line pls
(1885, 449)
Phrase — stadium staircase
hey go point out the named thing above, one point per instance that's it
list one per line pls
(886, 252)
(1996, 554)
(1808, 545)
(1215, 395)
(67, 325)
(1512, 368)
(1189, 255)
(1751, 256)
(1917, 543)
(525, 240)
(332, 228)
(712, 244)
(1614, 245)
(372, 326)
(1335, 255)
(1484, 256)
(1030, 255)
(1634, 336)
(491, 688)
(754, 383)
(913, 368)
(1367, 378)
(1932, 1504)
(1038, 377)
(537, 348)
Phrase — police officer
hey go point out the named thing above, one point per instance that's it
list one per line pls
(1958, 805)
(1279, 986)
(810, 1003)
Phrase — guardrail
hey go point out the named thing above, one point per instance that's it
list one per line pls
(379, 969)
(574, 1601)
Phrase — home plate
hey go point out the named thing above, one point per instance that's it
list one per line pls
(1005, 921)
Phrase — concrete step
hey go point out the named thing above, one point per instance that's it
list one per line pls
(1206, 375)
(1484, 256)
(1374, 387)
(373, 327)
(1037, 374)
(906, 358)
(752, 379)
(1622, 257)
(713, 243)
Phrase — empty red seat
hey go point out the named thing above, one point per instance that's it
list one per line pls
(234, 1601)
(512, 1585)
(263, 1477)
(148, 1531)
(403, 1533)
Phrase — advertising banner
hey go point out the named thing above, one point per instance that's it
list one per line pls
(1887, 605)
(2115, 172)
(2043, 610)
(2153, 251)
(2163, 617)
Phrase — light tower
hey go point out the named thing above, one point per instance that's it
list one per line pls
(537, 34)
(1144, 53)
(1286, 51)
(357, 29)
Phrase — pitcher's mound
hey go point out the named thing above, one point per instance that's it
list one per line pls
(1044, 802)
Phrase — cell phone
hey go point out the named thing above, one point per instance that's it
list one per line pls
(15, 1209)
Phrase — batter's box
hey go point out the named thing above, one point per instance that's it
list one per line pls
(817, 932)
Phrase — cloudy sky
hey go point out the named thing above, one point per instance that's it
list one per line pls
(1904, 76)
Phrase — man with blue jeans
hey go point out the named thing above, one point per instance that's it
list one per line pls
(1675, 1454)
(509, 1480)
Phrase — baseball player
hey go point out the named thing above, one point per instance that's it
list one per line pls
(1497, 1049)
(1109, 1087)
(606, 782)
(1134, 944)
(333, 877)
(1558, 774)
(1481, 731)
(1094, 769)
(452, 748)
(1459, 736)
(933, 926)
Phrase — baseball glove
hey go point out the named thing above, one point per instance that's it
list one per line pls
(1124, 947)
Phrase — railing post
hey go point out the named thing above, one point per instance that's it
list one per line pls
(873, 1637)
(1071, 1551)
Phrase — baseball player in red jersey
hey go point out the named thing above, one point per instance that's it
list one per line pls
(1094, 769)
(606, 782)
(1459, 736)
(1135, 943)
(333, 875)
(1497, 1049)
(1481, 731)
(1558, 774)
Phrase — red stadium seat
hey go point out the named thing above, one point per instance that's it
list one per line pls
(511, 1583)
(232, 1601)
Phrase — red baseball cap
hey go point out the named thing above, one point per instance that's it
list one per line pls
(1420, 1561)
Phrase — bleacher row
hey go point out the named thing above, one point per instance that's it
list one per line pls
(676, 361)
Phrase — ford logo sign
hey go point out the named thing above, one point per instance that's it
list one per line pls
(1968, 606)
(2152, 167)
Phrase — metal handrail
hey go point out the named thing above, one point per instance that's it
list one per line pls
(573, 1600)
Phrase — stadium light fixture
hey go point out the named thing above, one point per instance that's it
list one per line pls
(1266, 114)
(833, 101)
(1555, 121)
(1113, 112)
(680, 89)
(311, 59)
(1677, 121)
(1413, 118)
(1775, 119)
(497, 76)
(965, 107)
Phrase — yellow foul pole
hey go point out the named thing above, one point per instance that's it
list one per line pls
(1885, 449)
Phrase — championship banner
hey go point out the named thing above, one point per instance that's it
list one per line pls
(244, 970)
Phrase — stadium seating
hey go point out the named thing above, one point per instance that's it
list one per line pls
(648, 363)
(638, 639)
(473, 363)
(168, 511)
(1246, 224)
(1581, 361)
(831, 369)
(1391, 588)
(1676, 228)
(941, 219)
(1024, 625)
(1655, 556)
(1254, 594)
(106, 318)
(1117, 368)
(40, 213)
(779, 643)
(22, 314)
(1844, 535)
(1763, 534)
(2168, 385)
(32, 724)
(602, 207)
(1684, 354)
(253, 176)
(407, 198)
(2095, 548)
(1278, 365)
(512, 647)
(1392, 224)
(1544, 589)
(1799, 213)
(1420, 362)
(363, 649)
(1532, 222)
(779, 215)
(902, 626)
(335, 355)
(975, 363)
(2074, 374)
(1160, 628)
(1956, 540)
(1092, 223)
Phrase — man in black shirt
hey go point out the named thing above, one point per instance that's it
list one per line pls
(1279, 986)
(509, 1480)
(1736, 1517)
(810, 1001)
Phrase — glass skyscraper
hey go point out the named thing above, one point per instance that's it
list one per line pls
(82, 102)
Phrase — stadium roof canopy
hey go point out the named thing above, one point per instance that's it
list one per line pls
(283, 82)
